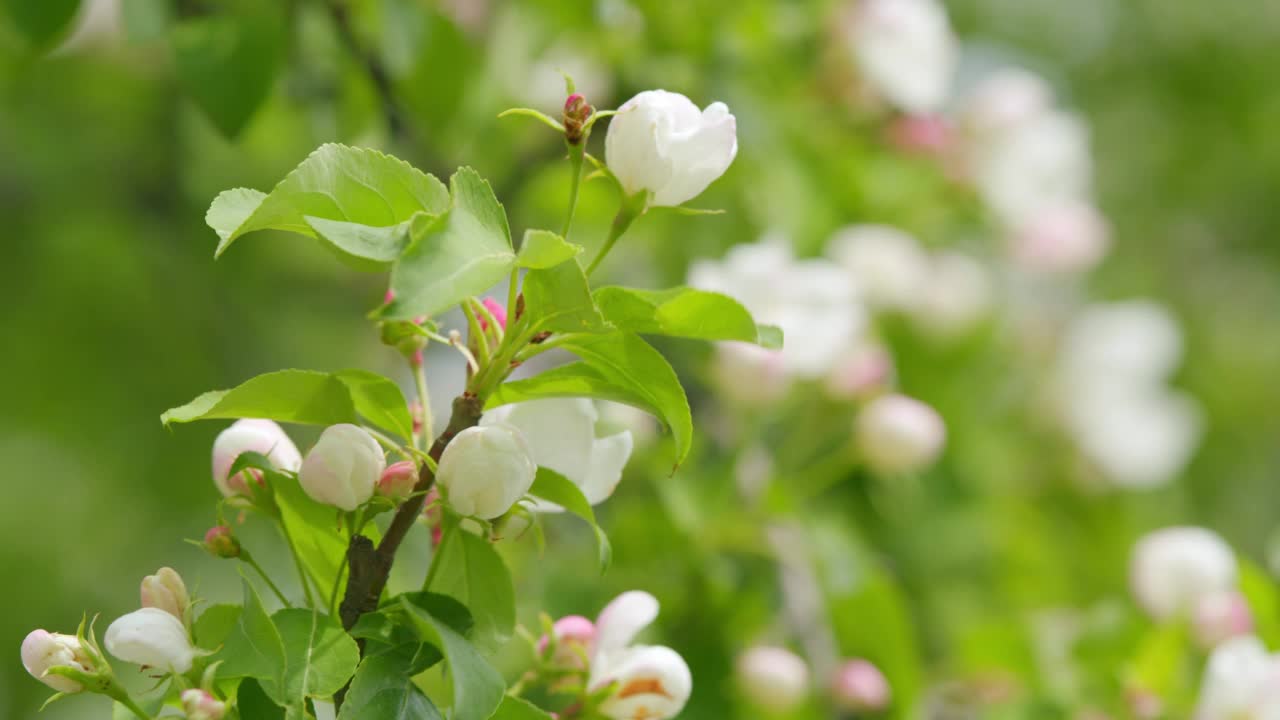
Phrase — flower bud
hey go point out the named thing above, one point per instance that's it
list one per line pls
(922, 134)
(166, 591)
(251, 435)
(576, 112)
(1174, 569)
(343, 467)
(898, 434)
(1064, 238)
(661, 143)
(201, 705)
(575, 641)
(773, 678)
(152, 638)
(485, 470)
(859, 686)
(1220, 616)
(404, 336)
(398, 480)
(42, 650)
(862, 372)
(219, 542)
(496, 309)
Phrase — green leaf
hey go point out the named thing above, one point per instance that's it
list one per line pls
(317, 532)
(478, 688)
(215, 624)
(1264, 602)
(470, 571)
(559, 299)
(305, 396)
(683, 312)
(254, 648)
(252, 702)
(383, 689)
(379, 244)
(461, 253)
(542, 249)
(514, 708)
(336, 183)
(319, 656)
(553, 487)
(619, 367)
(227, 61)
(1162, 662)
(42, 22)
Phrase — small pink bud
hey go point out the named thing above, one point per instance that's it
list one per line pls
(221, 543)
(499, 313)
(200, 705)
(1220, 616)
(923, 134)
(575, 639)
(859, 686)
(417, 358)
(389, 297)
(397, 481)
(415, 411)
(576, 113)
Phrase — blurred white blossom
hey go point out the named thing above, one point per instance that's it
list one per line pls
(898, 434)
(1174, 569)
(653, 681)
(905, 49)
(957, 295)
(772, 678)
(1241, 682)
(889, 266)
(1067, 238)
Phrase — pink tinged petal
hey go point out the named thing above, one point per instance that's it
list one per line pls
(654, 683)
(42, 650)
(608, 458)
(498, 311)
(623, 619)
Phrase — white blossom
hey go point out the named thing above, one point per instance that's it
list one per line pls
(484, 470)
(1241, 682)
(343, 467)
(906, 50)
(1175, 568)
(653, 682)
(773, 678)
(42, 650)
(897, 434)
(152, 638)
(251, 435)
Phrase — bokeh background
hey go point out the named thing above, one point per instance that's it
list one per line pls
(112, 308)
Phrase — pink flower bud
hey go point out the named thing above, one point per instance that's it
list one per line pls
(219, 542)
(397, 481)
(166, 591)
(860, 373)
(42, 650)
(576, 112)
(923, 134)
(898, 434)
(499, 313)
(773, 678)
(389, 297)
(859, 686)
(575, 641)
(200, 705)
(1220, 616)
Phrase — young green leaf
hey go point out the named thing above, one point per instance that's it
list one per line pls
(514, 708)
(470, 571)
(215, 624)
(462, 253)
(254, 648)
(252, 702)
(683, 312)
(478, 688)
(553, 487)
(336, 182)
(315, 530)
(319, 656)
(559, 299)
(41, 23)
(616, 366)
(227, 60)
(542, 249)
(379, 244)
(383, 689)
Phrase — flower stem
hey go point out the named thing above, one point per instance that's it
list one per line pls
(575, 180)
(424, 399)
(297, 560)
(247, 559)
(632, 208)
(435, 557)
(120, 695)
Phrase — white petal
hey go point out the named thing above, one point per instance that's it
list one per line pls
(623, 619)
(654, 683)
(700, 157)
(608, 458)
(631, 145)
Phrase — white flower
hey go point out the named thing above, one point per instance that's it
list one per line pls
(561, 433)
(343, 467)
(897, 434)
(1067, 238)
(1173, 569)
(956, 295)
(1038, 164)
(166, 591)
(813, 301)
(1138, 435)
(859, 686)
(251, 435)
(42, 650)
(1241, 682)
(1130, 341)
(906, 49)
(773, 678)
(863, 371)
(660, 142)
(653, 682)
(152, 638)
(889, 266)
(1220, 616)
(485, 470)
(1003, 100)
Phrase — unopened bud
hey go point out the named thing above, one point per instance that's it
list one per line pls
(576, 112)
(485, 470)
(152, 638)
(898, 434)
(496, 309)
(221, 543)
(42, 650)
(859, 686)
(575, 641)
(398, 480)
(404, 336)
(201, 705)
(773, 678)
(1220, 616)
(343, 467)
(166, 591)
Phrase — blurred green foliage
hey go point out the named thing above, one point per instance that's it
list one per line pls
(114, 310)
